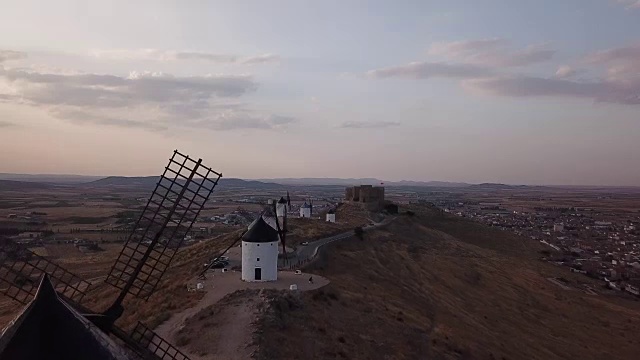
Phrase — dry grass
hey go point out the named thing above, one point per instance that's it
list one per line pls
(438, 287)
(171, 296)
(222, 330)
(348, 217)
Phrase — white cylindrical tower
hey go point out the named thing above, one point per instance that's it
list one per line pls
(331, 216)
(281, 207)
(260, 252)
(305, 210)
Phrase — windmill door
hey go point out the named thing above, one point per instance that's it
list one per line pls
(258, 274)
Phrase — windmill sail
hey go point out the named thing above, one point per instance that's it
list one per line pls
(173, 207)
(53, 307)
(21, 271)
(156, 345)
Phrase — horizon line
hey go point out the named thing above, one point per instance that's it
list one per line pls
(338, 178)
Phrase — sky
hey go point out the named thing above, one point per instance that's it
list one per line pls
(540, 92)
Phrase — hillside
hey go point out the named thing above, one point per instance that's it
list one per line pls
(13, 185)
(439, 287)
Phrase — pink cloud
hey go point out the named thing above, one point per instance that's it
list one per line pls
(495, 52)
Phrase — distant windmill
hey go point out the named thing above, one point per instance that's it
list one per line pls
(282, 230)
(53, 306)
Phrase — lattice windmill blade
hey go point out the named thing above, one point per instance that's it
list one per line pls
(21, 271)
(151, 343)
(173, 207)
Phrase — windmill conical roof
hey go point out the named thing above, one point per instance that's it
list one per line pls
(305, 205)
(259, 232)
(282, 201)
(49, 328)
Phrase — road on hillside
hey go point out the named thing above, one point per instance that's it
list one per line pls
(310, 251)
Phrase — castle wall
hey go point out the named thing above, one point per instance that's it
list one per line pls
(371, 197)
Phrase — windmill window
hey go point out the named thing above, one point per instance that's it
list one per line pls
(257, 259)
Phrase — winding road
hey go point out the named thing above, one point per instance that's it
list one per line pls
(310, 251)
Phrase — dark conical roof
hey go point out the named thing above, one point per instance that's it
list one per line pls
(305, 205)
(282, 201)
(260, 231)
(48, 328)
(331, 211)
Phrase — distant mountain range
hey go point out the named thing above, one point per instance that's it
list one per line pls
(360, 181)
(12, 185)
(150, 181)
(50, 178)
(42, 181)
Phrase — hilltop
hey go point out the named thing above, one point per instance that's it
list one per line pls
(440, 287)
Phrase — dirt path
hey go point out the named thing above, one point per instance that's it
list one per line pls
(236, 337)
(233, 323)
(224, 331)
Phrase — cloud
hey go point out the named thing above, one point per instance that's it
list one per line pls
(241, 119)
(118, 91)
(630, 4)
(216, 58)
(627, 53)
(6, 55)
(565, 72)
(480, 61)
(424, 70)
(6, 124)
(621, 62)
(368, 125)
(466, 47)
(145, 100)
(261, 59)
(279, 120)
(627, 93)
(471, 59)
(493, 52)
(83, 117)
(172, 55)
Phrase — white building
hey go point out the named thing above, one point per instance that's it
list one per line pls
(281, 208)
(305, 210)
(331, 216)
(260, 252)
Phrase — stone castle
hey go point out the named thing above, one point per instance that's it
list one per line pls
(370, 197)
